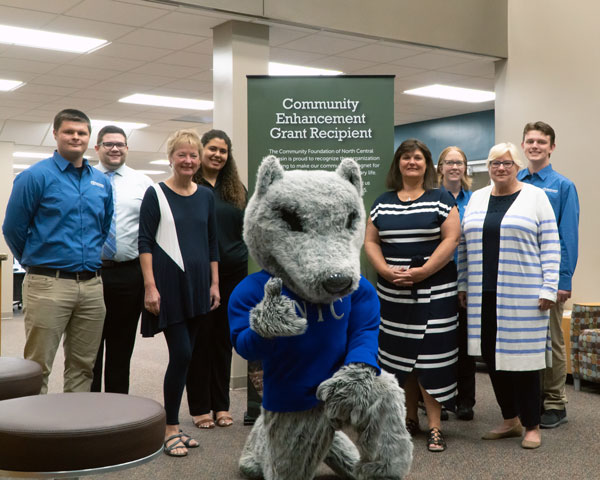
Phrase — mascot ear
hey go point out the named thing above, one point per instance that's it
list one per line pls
(269, 172)
(349, 170)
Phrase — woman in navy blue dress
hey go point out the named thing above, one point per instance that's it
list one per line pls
(411, 236)
(179, 258)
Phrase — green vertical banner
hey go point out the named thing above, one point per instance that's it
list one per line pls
(312, 123)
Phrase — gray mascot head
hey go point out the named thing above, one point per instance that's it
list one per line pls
(307, 228)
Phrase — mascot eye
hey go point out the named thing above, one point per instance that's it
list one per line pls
(292, 219)
(351, 220)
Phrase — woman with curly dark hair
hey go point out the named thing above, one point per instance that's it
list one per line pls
(208, 376)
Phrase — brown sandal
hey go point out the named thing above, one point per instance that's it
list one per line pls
(204, 423)
(224, 421)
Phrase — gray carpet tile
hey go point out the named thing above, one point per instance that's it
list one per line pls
(570, 451)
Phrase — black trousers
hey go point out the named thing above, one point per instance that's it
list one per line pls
(210, 367)
(517, 393)
(465, 366)
(124, 298)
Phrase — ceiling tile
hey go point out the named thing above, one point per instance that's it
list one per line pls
(185, 23)
(479, 69)
(479, 83)
(15, 64)
(134, 52)
(38, 54)
(110, 63)
(320, 42)
(116, 12)
(188, 59)
(177, 71)
(46, 90)
(429, 61)
(279, 36)
(205, 47)
(88, 28)
(389, 69)
(346, 65)
(55, 6)
(27, 133)
(382, 52)
(190, 85)
(154, 38)
(19, 17)
(146, 140)
(76, 71)
(294, 57)
(142, 80)
(61, 81)
(17, 75)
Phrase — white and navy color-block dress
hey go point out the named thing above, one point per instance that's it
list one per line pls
(418, 324)
(528, 269)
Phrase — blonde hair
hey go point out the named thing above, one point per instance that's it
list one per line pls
(500, 149)
(182, 137)
(465, 181)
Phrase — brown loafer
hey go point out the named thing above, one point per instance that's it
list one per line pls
(515, 431)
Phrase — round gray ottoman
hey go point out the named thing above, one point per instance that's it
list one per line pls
(19, 377)
(78, 433)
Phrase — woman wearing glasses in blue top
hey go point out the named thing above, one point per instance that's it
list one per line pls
(452, 175)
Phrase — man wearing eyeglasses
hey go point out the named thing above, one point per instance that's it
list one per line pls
(121, 271)
(57, 219)
(538, 144)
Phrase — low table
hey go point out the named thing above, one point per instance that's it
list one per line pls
(68, 435)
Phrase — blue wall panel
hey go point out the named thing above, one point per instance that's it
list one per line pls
(473, 132)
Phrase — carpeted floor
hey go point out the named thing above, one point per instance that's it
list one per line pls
(570, 451)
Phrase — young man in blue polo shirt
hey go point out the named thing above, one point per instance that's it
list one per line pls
(57, 219)
(538, 144)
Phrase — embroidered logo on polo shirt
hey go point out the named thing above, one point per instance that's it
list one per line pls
(97, 184)
(552, 190)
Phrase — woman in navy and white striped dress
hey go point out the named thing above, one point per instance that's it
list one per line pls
(411, 237)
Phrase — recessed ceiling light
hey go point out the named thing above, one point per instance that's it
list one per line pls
(151, 172)
(31, 155)
(160, 162)
(10, 85)
(124, 125)
(286, 69)
(29, 37)
(453, 93)
(172, 102)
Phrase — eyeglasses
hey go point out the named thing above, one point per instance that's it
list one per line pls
(506, 163)
(454, 163)
(110, 145)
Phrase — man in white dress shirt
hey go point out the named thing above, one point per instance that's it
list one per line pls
(121, 272)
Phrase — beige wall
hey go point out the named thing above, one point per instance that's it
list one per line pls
(477, 26)
(552, 75)
(6, 179)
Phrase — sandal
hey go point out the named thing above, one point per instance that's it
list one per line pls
(188, 441)
(224, 420)
(412, 426)
(176, 444)
(204, 423)
(435, 440)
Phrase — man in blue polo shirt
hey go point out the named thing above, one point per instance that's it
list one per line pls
(538, 144)
(57, 219)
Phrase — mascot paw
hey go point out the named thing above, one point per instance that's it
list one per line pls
(275, 315)
(347, 394)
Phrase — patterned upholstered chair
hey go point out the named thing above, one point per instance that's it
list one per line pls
(585, 343)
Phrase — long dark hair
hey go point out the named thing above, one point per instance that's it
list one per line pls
(394, 177)
(232, 188)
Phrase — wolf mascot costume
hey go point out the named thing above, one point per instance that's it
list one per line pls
(313, 321)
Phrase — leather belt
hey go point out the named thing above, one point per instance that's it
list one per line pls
(53, 272)
(112, 263)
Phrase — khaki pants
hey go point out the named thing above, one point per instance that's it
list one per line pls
(554, 378)
(55, 307)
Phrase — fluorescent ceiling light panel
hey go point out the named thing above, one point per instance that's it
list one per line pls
(172, 102)
(31, 155)
(453, 93)
(160, 162)
(10, 85)
(97, 124)
(20, 166)
(286, 69)
(151, 172)
(28, 37)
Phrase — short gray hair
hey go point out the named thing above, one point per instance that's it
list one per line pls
(500, 149)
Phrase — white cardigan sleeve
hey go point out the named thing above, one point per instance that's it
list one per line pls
(549, 244)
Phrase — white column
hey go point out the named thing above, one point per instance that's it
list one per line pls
(551, 75)
(6, 180)
(239, 49)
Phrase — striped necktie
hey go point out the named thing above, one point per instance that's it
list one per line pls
(109, 248)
